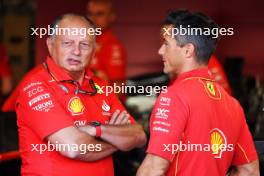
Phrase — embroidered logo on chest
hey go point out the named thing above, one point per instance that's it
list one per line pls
(211, 89)
(75, 106)
(106, 109)
(218, 142)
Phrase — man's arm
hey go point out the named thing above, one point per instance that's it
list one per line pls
(245, 158)
(250, 169)
(124, 137)
(119, 132)
(72, 136)
(153, 166)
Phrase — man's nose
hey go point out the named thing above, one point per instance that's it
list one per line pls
(161, 50)
(76, 49)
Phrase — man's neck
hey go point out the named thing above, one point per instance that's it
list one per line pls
(77, 76)
(190, 67)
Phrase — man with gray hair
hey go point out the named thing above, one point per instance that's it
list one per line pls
(67, 124)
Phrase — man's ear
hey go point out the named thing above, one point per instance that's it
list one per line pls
(189, 50)
(49, 42)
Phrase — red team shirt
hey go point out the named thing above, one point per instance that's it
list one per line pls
(110, 57)
(45, 106)
(196, 110)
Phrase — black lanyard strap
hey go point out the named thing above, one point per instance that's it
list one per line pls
(77, 89)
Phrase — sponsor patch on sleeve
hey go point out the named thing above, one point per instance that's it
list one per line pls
(37, 97)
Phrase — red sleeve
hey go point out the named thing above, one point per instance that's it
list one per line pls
(116, 62)
(10, 103)
(245, 151)
(38, 109)
(167, 124)
(114, 101)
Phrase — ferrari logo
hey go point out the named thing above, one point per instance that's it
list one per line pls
(210, 87)
(75, 106)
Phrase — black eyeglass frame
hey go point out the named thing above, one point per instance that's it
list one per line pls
(77, 90)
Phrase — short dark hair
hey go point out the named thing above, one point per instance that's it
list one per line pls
(204, 44)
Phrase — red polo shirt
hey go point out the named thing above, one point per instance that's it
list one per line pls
(46, 105)
(206, 125)
(110, 57)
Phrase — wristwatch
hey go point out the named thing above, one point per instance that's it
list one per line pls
(97, 126)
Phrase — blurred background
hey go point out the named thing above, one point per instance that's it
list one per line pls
(138, 28)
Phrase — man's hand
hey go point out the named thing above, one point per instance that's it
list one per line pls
(119, 118)
(153, 166)
(72, 135)
(119, 132)
(250, 169)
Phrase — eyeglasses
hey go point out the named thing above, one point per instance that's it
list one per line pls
(77, 89)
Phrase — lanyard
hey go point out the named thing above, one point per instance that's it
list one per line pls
(77, 89)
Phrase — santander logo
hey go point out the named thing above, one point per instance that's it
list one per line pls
(105, 106)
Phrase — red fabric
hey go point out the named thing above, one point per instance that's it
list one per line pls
(45, 106)
(110, 57)
(4, 66)
(218, 73)
(196, 110)
(10, 103)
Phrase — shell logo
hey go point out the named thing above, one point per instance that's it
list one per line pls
(218, 142)
(76, 106)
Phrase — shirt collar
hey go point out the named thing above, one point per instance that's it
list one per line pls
(60, 74)
(202, 72)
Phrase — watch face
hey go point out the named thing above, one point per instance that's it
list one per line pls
(95, 123)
